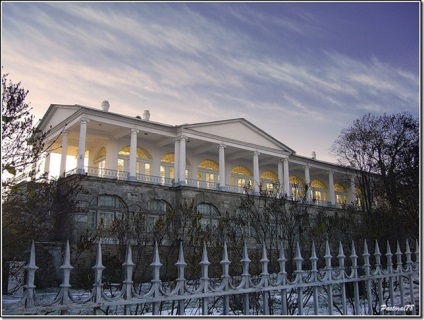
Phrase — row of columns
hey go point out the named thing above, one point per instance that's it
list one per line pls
(180, 163)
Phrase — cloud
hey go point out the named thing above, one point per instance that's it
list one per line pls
(226, 61)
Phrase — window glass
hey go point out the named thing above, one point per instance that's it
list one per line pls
(106, 201)
(156, 205)
(106, 219)
(105, 209)
(147, 169)
(91, 219)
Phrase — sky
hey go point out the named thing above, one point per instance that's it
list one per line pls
(300, 71)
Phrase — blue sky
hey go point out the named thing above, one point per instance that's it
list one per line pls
(301, 71)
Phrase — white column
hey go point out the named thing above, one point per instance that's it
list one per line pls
(182, 159)
(307, 181)
(280, 174)
(133, 154)
(112, 155)
(256, 171)
(47, 160)
(352, 190)
(286, 177)
(331, 187)
(81, 145)
(222, 166)
(176, 159)
(64, 154)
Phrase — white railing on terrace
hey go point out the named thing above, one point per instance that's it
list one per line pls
(107, 173)
(389, 288)
(155, 180)
(164, 181)
(202, 184)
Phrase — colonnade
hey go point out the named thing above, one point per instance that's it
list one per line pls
(180, 163)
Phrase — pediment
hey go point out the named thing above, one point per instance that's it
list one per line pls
(238, 130)
(56, 114)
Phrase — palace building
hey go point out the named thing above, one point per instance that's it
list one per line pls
(135, 162)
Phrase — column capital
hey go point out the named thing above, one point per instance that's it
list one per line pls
(285, 160)
(182, 137)
(222, 145)
(134, 130)
(306, 166)
(84, 120)
(256, 153)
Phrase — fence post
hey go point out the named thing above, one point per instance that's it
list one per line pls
(399, 269)
(341, 258)
(314, 280)
(225, 279)
(181, 264)
(156, 279)
(31, 268)
(205, 279)
(328, 276)
(299, 279)
(354, 275)
(98, 284)
(367, 267)
(245, 280)
(128, 283)
(66, 267)
(410, 268)
(265, 280)
(390, 273)
(283, 275)
(377, 256)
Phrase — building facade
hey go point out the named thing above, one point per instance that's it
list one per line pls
(123, 155)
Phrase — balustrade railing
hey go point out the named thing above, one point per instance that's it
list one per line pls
(165, 181)
(155, 180)
(329, 285)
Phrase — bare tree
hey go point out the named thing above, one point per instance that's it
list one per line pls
(22, 143)
(385, 151)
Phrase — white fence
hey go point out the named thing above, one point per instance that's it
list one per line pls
(390, 285)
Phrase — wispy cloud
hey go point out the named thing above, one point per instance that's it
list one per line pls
(178, 60)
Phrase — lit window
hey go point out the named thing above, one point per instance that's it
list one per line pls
(167, 167)
(143, 159)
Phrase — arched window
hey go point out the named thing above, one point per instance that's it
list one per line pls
(241, 177)
(318, 190)
(104, 210)
(167, 166)
(157, 209)
(208, 171)
(297, 187)
(268, 180)
(245, 229)
(210, 216)
(143, 164)
(100, 158)
(341, 194)
(101, 155)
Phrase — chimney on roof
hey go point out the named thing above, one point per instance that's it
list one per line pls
(105, 105)
(146, 115)
(314, 155)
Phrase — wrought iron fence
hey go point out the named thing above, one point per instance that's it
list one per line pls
(398, 279)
